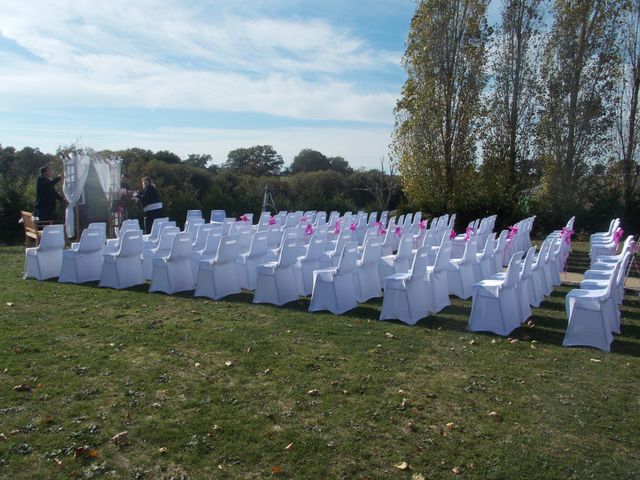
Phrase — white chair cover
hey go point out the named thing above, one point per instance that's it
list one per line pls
(172, 274)
(405, 294)
(334, 289)
(218, 277)
(83, 264)
(45, 260)
(123, 268)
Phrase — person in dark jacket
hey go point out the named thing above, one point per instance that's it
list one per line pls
(46, 194)
(151, 203)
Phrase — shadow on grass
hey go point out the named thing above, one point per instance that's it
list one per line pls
(548, 321)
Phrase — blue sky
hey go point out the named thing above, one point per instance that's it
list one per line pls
(203, 76)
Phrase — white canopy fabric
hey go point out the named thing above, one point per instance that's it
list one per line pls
(77, 166)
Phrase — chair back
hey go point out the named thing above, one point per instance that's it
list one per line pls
(91, 241)
(348, 258)
(502, 242)
(166, 237)
(203, 234)
(128, 227)
(420, 262)
(288, 253)
(192, 225)
(443, 256)
(155, 228)
(373, 218)
(194, 214)
(212, 241)
(100, 226)
(513, 270)
(315, 249)
(52, 238)
(470, 250)
(372, 251)
(218, 216)
(181, 247)
(489, 245)
(259, 244)
(227, 249)
(528, 262)
(131, 243)
(405, 249)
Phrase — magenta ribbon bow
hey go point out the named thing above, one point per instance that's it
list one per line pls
(453, 234)
(243, 218)
(398, 232)
(513, 230)
(618, 235)
(308, 231)
(337, 229)
(468, 232)
(353, 227)
(422, 225)
(272, 220)
(303, 218)
(566, 234)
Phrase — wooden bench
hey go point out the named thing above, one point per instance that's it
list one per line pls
(32, 229)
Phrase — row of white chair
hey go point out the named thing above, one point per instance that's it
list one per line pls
(593, 310)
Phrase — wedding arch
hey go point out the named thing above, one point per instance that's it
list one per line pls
(78, 165)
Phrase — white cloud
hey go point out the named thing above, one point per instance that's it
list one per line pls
(168, 55)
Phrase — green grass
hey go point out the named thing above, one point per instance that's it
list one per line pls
(211, 389)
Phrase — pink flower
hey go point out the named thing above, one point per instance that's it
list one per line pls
(453, 234)
(398, 232)
(309, 230)
(272, 220)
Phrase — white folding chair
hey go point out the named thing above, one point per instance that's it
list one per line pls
(172, 274)
(162, 249)
(314, 259)
(437, 283)
(398, 263)
(276, 282)
(45, 260)
(248, 262)
(334, 289)
(123, 268)
(218, 277)
(366, 272)
(495, 306)
(405, 294)
(460, 274)
(84, 263)
(591, 316)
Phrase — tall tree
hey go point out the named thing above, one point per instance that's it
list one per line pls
(628, 117)
(579, 70)
(256, 161)
(437, 114)
(507, 144)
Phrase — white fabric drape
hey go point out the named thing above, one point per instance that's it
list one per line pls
(76, 167)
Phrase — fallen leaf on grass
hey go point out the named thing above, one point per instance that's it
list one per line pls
(85, 452)
(228, 363)
(289, 447)
(456, 470)
(495, 415)
(389, 335)
(404, 403)
(417, 476)
(58, 462)
(197, 364)
(120, 438)
(276, 470)
(314, 392)
(23, 387)
(162, 450)
(3, 437)
(595, 360)
(9, 304)
(450, 426)
(402, 466)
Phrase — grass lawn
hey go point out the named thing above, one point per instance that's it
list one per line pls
(229, 389)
